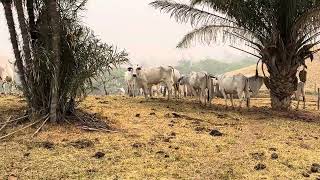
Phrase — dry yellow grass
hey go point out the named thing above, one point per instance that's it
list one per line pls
(158, 146)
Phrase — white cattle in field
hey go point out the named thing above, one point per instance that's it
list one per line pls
(147, 77)
(236, 84)
(200, 85)
(130, 82)
(300, 93)
(255, 83)
(6, 79)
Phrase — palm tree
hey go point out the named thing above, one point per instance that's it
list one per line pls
(54, 22)
(59, 57)
(26, 43)
(7, 4)
(281, 33)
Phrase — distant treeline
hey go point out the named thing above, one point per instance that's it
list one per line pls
(212, 66)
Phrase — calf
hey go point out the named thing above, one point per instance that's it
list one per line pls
(146, 78)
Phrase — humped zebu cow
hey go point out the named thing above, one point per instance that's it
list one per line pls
(147, 77)
(130, 82)
(236, 84)
(300, 92)
(184, 85)
(176, 85)
(200, 84)
(255, 83)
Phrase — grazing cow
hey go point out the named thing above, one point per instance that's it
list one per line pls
(146, 78)
(185, 86)
(200, 84)
(176, 85)
(255, 83)
(6, 79)
(130, 82)
(236, 84)
(300, 92)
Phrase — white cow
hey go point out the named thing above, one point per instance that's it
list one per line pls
(300, 92)
(147, 77)
(236, 84)
(6, 79)
(255, 83)
(200, 85)
(130, 82)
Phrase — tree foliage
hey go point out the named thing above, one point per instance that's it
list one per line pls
(82, 56)
(211, 66)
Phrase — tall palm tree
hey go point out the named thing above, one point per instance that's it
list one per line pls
(7, 5)
(26, 43)
(54, 23)
(281, 33)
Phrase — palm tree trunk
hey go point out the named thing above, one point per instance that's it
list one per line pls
(54, 21)
(26, 48)
(282, 86)
(31, 16)
(13, 37)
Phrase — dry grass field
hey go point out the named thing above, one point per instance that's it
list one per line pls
(157, 139)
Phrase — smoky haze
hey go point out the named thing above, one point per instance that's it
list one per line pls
(150, 37)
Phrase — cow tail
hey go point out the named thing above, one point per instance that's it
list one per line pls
(247, 88)
(208, 86)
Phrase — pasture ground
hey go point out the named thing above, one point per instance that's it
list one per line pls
(157, 139)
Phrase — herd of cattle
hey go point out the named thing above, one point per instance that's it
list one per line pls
(168, 80)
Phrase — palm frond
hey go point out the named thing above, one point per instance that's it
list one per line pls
(205, 34)
(183, 13)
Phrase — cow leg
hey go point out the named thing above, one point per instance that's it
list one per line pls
(231, 98)
(169, 92)
(298, 102)
(241, 98)
(225, 97)
(150, 91)
(304, 102)
(145, 91)
(164, 91)
(133, 91)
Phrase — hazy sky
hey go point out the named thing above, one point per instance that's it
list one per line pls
(149, 36)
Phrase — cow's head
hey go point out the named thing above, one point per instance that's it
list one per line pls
(136, 71)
